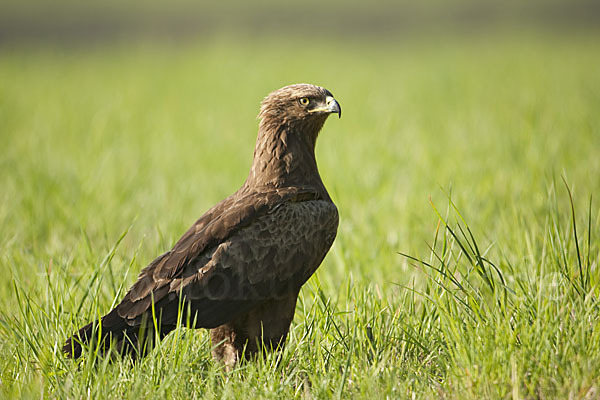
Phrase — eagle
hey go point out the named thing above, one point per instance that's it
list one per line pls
(239, 269)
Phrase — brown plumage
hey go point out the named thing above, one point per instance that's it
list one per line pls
(239, 268)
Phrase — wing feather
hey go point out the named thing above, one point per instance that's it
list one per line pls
(243, 271)
(225, 254)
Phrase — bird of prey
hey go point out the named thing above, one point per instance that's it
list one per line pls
(238, 270)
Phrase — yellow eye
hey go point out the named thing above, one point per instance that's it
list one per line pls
(304, 101)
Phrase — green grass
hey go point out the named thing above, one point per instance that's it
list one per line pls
(109, 154)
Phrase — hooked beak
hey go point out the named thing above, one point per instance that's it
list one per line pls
(331, 106)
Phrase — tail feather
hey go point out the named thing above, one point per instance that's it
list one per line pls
(73, 346)
(103, 331)
(113, 332)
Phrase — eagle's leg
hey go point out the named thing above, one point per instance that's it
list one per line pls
(265, 327)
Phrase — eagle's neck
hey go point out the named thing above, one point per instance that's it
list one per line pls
(284, 156)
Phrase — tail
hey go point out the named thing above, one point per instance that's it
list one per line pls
(113, 332)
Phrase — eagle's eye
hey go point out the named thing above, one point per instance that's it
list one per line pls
(304, 101)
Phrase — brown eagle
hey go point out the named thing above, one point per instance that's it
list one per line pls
(238, 270)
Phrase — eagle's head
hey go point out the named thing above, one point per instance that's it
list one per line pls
(290, 121)
(299, 107)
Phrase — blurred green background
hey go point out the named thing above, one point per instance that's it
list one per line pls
(75, 21)
(144, 114)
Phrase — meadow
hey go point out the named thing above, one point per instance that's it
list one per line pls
(466, 171)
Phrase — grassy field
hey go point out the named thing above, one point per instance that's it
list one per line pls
(456, 153)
